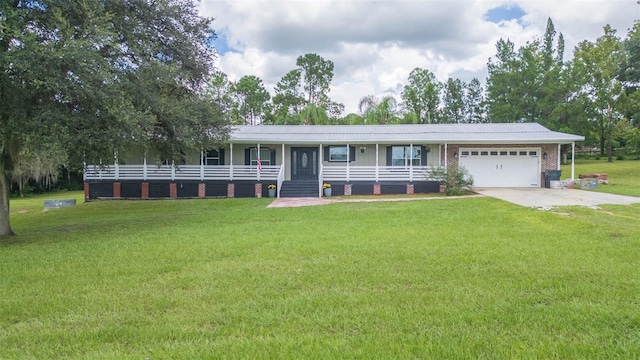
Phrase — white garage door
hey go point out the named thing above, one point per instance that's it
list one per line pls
(502, 167)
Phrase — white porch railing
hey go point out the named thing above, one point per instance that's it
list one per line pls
(245, 172)
(182, 172)
(280, 180)
(373, 173)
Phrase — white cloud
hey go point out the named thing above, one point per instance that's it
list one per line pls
(375, 44)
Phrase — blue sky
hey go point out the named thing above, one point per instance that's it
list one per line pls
(505, 13)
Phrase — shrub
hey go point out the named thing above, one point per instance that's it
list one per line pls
(455, 179)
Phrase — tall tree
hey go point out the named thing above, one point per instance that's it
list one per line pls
(317, 74)
(453, 105)
(597, 67)
(219, 90)
(422, 95)
(251, 97)
(107, 76)
(531, 84)
(288, 100)
(630, 74)
(474, 102)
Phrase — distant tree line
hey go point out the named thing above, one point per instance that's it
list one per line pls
(594, 94)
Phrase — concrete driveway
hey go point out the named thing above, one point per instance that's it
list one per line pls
(541, 197)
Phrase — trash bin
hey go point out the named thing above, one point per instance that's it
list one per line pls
(551, 175)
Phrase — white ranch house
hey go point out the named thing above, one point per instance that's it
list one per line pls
(354, 159)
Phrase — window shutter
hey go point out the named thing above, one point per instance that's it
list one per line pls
(221, 155)
(247, 156)
(326, 153)
(352, 153)
(389, 150)
(423, 155)
(273, 157)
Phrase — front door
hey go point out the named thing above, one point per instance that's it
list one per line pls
(304, 163)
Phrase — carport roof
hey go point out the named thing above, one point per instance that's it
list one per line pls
(502, 133)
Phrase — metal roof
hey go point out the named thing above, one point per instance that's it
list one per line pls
(496, 133)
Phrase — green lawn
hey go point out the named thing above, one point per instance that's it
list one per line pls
(229, 278)
(624, 175)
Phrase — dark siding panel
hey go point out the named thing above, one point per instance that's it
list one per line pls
(187, 189)
(159, 189)
(131, 189)
(244, 189)
(361, 189)
(393, 189)
(218, 188)
(337, 189)
(426, 187)
(101, 189)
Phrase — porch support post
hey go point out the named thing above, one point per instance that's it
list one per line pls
(230, 161)
(446, 149)
(377, 163)
(115, 164)
(348, 158)
(202, 165)
(559, 153)
(573, 158)
(173, 170)
(257, 168)
(410, 162)
(283, 160)
(321, 170)
(144, 167)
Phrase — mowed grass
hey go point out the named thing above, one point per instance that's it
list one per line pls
(230, 278)
(624, 175)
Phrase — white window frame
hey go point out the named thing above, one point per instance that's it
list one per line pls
(265, 158)
(417, 155)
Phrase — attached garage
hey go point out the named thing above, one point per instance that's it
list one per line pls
(502, 167)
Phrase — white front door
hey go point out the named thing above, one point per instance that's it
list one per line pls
(502, 167)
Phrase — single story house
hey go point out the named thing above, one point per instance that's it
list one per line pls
(354, 159)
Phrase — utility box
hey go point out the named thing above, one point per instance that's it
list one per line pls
(54, 204)
(589, 184)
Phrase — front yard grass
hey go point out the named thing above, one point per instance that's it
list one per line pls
(624, 175)
(230, 278)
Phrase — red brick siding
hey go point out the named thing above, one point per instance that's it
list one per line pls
(202, 190)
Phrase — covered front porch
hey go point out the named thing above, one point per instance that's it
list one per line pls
(368, 167)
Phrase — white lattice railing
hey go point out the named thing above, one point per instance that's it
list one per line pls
(182, 172)
(246, 172)
(373, 173)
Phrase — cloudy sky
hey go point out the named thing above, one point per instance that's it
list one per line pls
(375, 44)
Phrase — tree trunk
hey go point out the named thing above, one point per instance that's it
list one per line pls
(5, 188)
(610, 145)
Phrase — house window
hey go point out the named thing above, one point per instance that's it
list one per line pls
(265, 156)
(402, 156)
(338, 153)
(212, 157)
